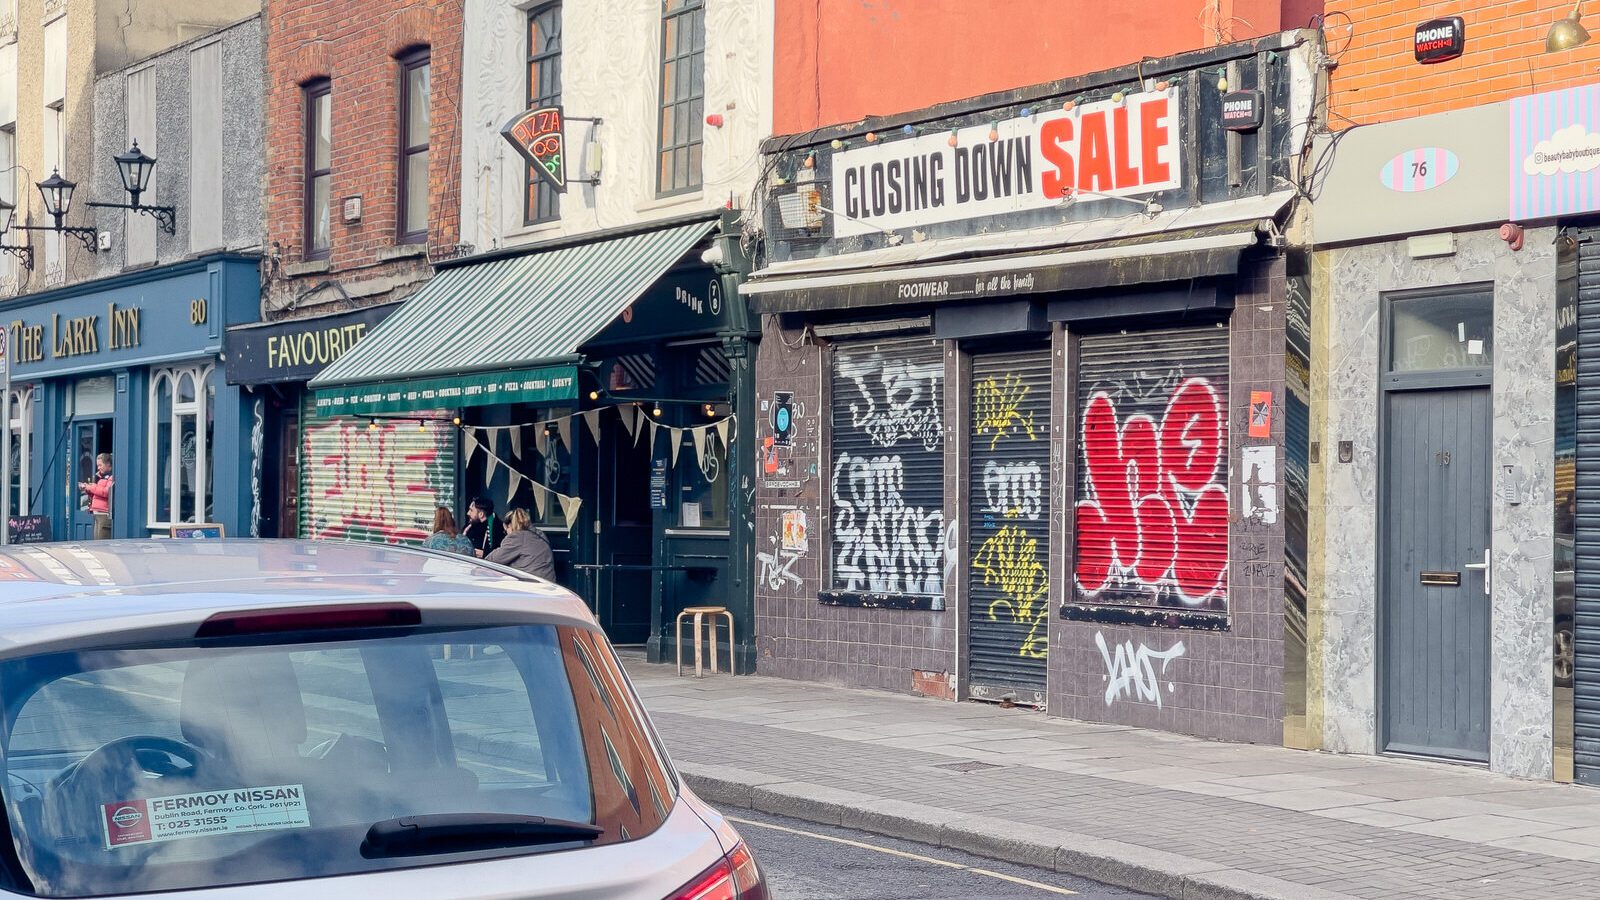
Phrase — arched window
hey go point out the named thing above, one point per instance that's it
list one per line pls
(182, 402)
(16, 449)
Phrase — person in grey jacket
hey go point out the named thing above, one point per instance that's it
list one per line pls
(525, 547)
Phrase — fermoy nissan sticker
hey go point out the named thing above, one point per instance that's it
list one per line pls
(232, 811)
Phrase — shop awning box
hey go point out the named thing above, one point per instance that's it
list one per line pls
(1174, 246)
(503, 329)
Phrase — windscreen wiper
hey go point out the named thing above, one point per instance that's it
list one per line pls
(466, 832)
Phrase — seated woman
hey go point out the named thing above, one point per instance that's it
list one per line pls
(445, 534)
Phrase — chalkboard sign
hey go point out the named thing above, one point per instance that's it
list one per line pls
(28, 529)
(658, 484)
(203, 530)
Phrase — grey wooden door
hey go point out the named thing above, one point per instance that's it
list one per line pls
(1436, 587)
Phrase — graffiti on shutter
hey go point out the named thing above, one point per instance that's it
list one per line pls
(1008, 618)
(378, 484)
(887, 481)
(1152, 504)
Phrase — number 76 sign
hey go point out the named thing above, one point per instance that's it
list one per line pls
(540, 136)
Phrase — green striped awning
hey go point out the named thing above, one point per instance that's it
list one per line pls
(517, 312)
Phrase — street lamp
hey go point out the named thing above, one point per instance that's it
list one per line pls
(24, 252)
(1567, 33)
(135, 166)
(57, 194)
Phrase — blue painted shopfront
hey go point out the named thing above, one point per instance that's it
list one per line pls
(132, 365)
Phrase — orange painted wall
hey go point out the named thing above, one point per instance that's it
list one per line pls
(838, 61)
(1378, 79)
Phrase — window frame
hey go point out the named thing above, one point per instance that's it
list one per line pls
(18, 432)
(410, 61)
(535, 188)
(201, 409)
(311, 92)
(666, 107)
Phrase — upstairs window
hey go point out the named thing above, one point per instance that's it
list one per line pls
(683, 67)
(540, 202)
(415, 125)
(319, 168)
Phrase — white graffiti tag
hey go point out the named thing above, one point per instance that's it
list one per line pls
(884, 545)
(777, 567)
(1131, 670)
(898, 400)
(1014, 490)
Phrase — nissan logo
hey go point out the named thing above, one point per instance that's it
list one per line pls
(126, 817)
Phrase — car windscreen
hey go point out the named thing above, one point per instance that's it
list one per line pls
(208, 764)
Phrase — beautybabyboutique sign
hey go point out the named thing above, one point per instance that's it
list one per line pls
(1127, 147)
(1555, 153)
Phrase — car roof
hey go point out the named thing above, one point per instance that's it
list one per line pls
(50, 593)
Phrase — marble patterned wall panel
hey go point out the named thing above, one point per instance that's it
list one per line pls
(1350, 284)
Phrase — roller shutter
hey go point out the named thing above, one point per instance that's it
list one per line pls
(364, 483)
(1008, 610)
(887, 475)
(1586, 528)
(1151, 517)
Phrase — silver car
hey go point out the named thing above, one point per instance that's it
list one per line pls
(254, 719)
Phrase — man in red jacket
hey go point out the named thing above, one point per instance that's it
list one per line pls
(99, 492)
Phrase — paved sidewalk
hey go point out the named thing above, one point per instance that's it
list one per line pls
(1152, 811)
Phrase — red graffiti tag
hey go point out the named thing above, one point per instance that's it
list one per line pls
(1158, 515)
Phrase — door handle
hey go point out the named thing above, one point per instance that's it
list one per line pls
(1484, 567)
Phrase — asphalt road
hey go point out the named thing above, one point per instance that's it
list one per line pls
(820, 862)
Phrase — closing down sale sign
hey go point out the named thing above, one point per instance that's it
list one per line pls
(1119, 148)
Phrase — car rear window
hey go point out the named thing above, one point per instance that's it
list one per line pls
(165, 768)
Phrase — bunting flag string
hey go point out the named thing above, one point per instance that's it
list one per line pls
(570, 507)
(541, 494)
(538, 498)
(630, 421)
(699, 432)
(633, 417)
(676, 435)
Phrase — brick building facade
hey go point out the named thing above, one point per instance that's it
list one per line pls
(358, 50)
(1024, 445)
(1377, 79)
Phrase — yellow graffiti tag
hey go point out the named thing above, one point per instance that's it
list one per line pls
(1010, 561)
(994, 408)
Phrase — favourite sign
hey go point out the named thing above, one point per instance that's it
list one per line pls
(1124, 147)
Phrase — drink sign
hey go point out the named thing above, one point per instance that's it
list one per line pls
(540, 136)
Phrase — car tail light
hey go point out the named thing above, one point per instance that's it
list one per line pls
(312, 618)
(734, 877)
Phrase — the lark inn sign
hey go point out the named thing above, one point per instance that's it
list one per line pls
(61, 336)
(1125, 148)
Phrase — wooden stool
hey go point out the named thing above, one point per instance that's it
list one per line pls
(701, 614)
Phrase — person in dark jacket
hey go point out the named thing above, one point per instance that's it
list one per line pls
(483, 529)
(525, 547)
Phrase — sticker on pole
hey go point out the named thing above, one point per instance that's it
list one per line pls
(233, 811)
(540, 136)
